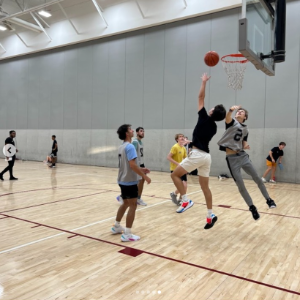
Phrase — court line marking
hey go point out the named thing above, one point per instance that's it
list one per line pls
(57, 188)
(65, 231)
(157, 255)
(107, 190)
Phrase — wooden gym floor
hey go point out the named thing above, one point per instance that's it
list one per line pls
(55, 240)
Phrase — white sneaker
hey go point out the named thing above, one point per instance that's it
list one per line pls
(116, 230)
(129, 237)
(263, 180)
(141, 202)
(120, 199)
(184, 206)
(272, 181)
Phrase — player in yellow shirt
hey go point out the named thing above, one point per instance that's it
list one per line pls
(176, 156)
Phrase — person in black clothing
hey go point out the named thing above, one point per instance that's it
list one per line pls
(199, 158)
(11, 162)
(274, 154)
(54, 152)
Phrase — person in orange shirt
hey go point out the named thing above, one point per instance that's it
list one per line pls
(176, 156)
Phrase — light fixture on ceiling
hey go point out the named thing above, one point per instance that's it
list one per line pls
(44, 13)
(2, 28)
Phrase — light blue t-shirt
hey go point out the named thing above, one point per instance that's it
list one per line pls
(124, 168)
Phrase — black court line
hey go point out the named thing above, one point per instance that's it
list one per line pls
(160, 256)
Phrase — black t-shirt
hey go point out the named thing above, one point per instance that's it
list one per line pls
(9, 140)
(205, 129)
(53, 146)
(276, 154)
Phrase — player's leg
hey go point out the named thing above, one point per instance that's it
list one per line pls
(249, 169)
(269, 168)
(140, 201)
(272, 179)
(234, 163)
(176, 177)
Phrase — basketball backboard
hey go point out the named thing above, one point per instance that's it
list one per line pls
(257, 34)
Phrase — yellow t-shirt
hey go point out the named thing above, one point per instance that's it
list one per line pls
(179, 154)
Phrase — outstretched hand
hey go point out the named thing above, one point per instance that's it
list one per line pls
(235, 107)
(205, 77)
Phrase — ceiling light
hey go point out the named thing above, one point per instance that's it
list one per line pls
(44, 13)
(2, 28)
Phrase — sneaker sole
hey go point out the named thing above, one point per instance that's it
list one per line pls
(256, 219)
(186, 208)
(272, 206)
(213, 221)
(129, 240)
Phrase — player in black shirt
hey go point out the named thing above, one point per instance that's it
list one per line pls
(274, 154)
(54, 152)
(199, 158)
(11, 161)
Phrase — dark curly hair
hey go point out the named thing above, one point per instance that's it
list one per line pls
(122, 131)
(219, 113)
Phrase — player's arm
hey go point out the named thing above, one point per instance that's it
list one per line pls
(246, 145)
(228, 118)
(280, 159)
(169, 158)
(138, 170)
(271, 155)
(201, 96)
(55, 147)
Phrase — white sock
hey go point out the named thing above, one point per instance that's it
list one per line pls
(117, 224)
(127, 230)
(209, 213)
(184, 198)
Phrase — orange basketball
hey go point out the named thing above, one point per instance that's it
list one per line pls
(211, 58)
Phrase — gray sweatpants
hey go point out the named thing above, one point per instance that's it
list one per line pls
(239, 161)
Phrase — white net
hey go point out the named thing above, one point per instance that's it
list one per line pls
(234, 66)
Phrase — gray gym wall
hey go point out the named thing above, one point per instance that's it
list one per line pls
(148, 78)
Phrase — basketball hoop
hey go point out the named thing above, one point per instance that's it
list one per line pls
(234, 66)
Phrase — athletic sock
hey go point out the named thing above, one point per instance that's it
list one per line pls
(127, 230)
(184, 198)
(209, 213)
(117, 224)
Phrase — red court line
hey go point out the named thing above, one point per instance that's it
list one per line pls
(46, 203)
(161, 256)
(4, 218)
(106, 191)
(28, 191)
(69, 237)
(35, 226)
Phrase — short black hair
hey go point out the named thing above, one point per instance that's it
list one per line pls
(54, 136)
(122, 131)
(219, 113)
(11, 131)
(282, 143)
(138, 129)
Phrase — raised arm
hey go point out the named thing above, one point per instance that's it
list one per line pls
(228, 118)
(201, 96)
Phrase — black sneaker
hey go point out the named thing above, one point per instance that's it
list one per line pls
(13, 178)
(210, 222)
(271, 203)
(254, 212)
